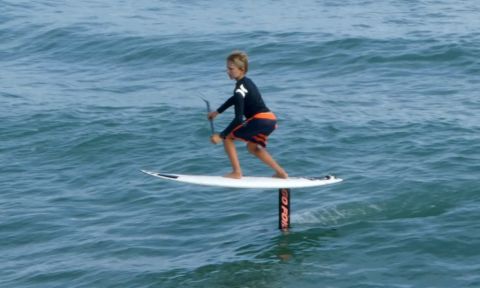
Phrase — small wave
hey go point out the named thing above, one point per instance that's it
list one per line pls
(338, 56)
(337, 215)
(80, 44)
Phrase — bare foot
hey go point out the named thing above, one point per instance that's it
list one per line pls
(281, 174)
(234, 175)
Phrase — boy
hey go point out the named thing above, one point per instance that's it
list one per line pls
(259, 123)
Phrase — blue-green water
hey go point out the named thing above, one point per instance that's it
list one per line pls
(383, 94)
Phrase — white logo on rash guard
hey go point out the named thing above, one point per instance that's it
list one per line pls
(242, 91)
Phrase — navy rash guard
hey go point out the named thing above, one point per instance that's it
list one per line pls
(248, 102)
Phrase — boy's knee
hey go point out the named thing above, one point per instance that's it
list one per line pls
(228, 140)
(253, 148)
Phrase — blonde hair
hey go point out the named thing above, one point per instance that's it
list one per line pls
(239, 59)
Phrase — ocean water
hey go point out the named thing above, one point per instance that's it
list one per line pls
(383, 94)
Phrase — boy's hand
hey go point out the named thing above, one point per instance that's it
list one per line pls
(212, 115)
(215, 138)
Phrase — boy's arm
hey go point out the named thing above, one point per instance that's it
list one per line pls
(238, 101)
(230, 101)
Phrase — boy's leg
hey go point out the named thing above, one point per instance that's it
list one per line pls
(263, 155)
(231, 151)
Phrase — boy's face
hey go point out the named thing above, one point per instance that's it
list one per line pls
(234, 72)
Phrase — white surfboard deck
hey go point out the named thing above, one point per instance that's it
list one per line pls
(248, 181)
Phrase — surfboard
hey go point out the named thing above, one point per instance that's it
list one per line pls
(248, 181)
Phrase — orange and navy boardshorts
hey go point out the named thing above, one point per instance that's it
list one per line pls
(256, 129)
